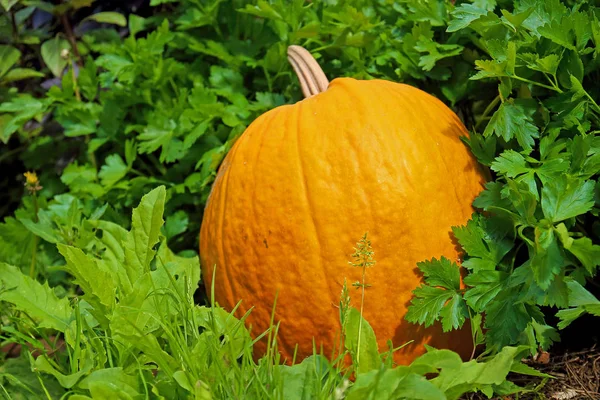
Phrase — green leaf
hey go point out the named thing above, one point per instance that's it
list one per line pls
(116, 378)
(485, 286)
(559, 33)
(95, 279)
(439, 297)
(548, 64)
(395, 383)
(8, 4)
(427, 304)
(505, 320)
(86, 363)
(361, 342)
(37, 300)
(176, 224)
(108, 17)
(442, 272)
(51, 51)
(516, 20)
(23, 108)
(302, 381)
(8, 57)
(512, 121)
(136, 24)
(489, 69)
(583, 301)
(454, 313)
(486, 240)
(19, 74)
(546, 257)
(579, 296)
(113, 171)
(582, 248)
(566, 197)
(464, 15)
(144, 235)
(20, 382)
(511, 164)
(472, 375)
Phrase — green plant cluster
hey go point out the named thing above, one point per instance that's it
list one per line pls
(125, 126)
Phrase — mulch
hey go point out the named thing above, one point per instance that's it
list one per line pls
(576, 375)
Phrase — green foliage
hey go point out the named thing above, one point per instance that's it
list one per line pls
(142, 110)
(536, 246)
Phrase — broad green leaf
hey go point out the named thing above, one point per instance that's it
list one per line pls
(144, 235)
(96, 280)
(37, 300)
(19, 74)
(8, 57)
(505, 319)
(86, 363)
(302, 381)
(546, 257)
(20, 382)
(361, 342)
(221, 324)
(136, 24)
(22, 109)
(473, 375)
(108, 17)
(567, 197)
(115, 377)
(176, 224)
(395, 383)
(8, 4)
(51, 51)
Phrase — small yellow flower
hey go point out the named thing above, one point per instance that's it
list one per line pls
(32, 183)
(31, 178)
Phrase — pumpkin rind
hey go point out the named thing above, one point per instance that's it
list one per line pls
(304, 182)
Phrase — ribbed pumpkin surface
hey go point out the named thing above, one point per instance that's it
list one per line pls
(303, 184)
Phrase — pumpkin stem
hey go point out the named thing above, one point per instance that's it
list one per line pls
(312, 78)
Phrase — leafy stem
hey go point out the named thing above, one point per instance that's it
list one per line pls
(553, 88)
(71, 37)
(32, 269)
(363, 257)
(488, 110)
(15, 27)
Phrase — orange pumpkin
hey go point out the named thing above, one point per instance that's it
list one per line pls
(305, 181)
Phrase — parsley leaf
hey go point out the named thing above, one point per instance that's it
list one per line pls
(512, 121)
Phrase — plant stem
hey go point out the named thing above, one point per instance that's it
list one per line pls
(536, 83)
(74, 79)
(71, 37)
(32, 269)
(487, 110)
(11, 152)
(15, 27)
(362, 307)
